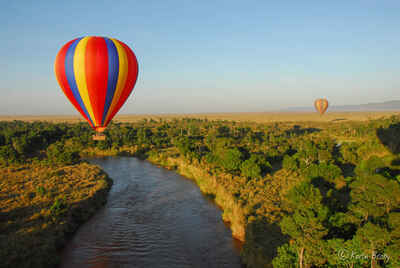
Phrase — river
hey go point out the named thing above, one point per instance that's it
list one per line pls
(153, 218)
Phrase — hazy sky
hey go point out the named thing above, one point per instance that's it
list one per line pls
(209, 56)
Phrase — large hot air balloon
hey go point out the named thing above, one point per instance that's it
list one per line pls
(97, 74)
(321, 105)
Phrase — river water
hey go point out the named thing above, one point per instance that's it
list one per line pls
(153, 218)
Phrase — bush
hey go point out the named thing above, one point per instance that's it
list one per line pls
(8, 155)
(250, 169)
(59, 206)
(2, 140)
(290, 163)
(56, 153)
(231, 159)
(286, 257)
(349, 152)
(41, 190)
(329, 172)
(370, 166)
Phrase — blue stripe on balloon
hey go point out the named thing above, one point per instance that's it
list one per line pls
(69, 72)
(113, 70)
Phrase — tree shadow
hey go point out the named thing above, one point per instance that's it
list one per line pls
(347, 168)
(396, 162)
(298, 130)
(262, 241)
(338, 119)
(335, 199)
(276, 164)
(10, 220)
(390, 137)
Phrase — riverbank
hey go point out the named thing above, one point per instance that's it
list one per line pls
(253, 221)
(41, 206)
(232, 211)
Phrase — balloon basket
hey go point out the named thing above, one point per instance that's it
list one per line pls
(99, 137)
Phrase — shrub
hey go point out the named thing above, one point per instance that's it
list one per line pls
(250, 169)
(8, 155)
(290, 163)
(41, 190)
(59, 206)
(370, 166)
(231, 159)
(286, 257)
(329, 172)
(56, 153)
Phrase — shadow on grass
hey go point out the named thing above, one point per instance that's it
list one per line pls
(338, 119)
(298, 130)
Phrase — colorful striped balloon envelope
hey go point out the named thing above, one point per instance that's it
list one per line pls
(97, 74)
(321, 105)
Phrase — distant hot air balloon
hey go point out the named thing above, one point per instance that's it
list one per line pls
(321, 105)
(97, 74)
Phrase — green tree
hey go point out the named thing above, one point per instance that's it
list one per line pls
(373, 240)
(223, 131)
(290, 163)
(2, 140)
(330, 172)
(370, 166)
(393, 249)
(286, 257)
(373, 196)
(348, 153)
(231, 159)
(250, 169)
(57, 153)
(8, 155)
(306, 224)
(307, 153)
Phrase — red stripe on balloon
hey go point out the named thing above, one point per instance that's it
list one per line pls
(61, 76)
(130, 80)
(96, 65)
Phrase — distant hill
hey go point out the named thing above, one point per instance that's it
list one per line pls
(375, 106)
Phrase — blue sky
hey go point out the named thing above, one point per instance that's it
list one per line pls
(210, 56)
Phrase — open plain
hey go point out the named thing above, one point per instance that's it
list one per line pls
(259, 117)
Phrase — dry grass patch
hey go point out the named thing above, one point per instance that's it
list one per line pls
(261, 117)
(40, 205)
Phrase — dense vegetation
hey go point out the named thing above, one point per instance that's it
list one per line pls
(299, 195)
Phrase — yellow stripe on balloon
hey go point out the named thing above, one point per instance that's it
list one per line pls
(122, 75)
(80, 76)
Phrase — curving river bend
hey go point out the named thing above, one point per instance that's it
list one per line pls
(153, 218)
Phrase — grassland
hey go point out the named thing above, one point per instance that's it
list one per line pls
(265, 117)
(41, 205)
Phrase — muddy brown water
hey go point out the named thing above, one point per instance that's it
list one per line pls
(153, 218)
